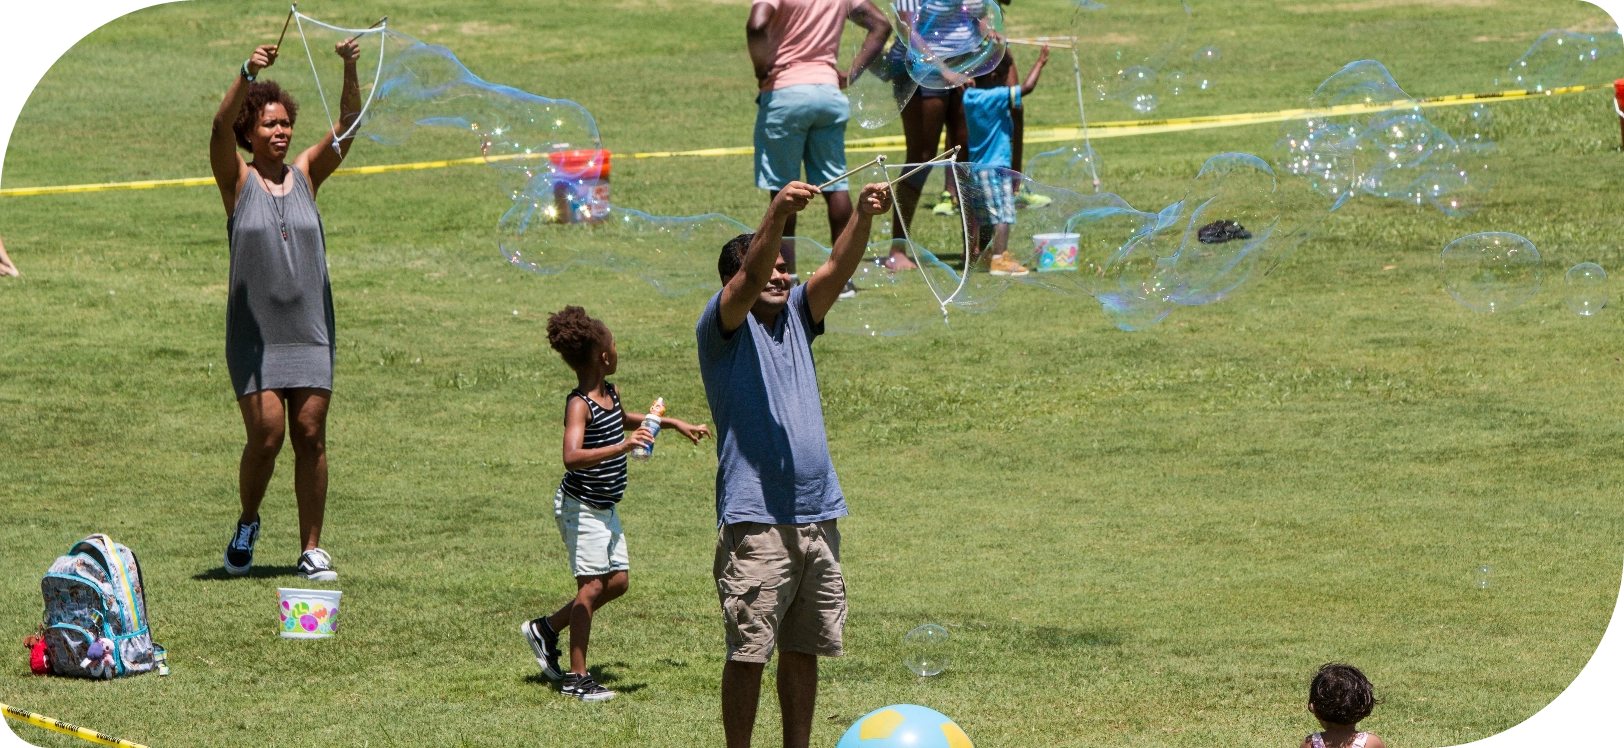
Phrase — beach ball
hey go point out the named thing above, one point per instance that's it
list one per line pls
(904, 726)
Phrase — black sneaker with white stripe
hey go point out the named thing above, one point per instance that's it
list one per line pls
(544, 642)
(584, 688)
(316, 566)
(240, 551)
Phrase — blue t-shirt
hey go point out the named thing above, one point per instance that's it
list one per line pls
(772, 455)
(987, 112)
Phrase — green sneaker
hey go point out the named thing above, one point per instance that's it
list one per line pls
(1032, 200)
(945, 207)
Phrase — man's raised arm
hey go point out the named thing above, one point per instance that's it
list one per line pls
(823, 289)
(741, 291)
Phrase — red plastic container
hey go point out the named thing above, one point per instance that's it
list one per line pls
(581, 187)
(1618, 104)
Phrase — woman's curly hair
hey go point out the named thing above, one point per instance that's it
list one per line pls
(1341, 695)
(576, 336)
(261, 93)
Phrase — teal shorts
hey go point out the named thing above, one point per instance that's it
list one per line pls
(801, 125)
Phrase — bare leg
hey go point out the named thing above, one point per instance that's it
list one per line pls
(741, 693)
(1000, 239)
(797, 696)
(591, 593)
(263, 418)
(922, 121)
(958, 134)
(309, 425)
(6, 267)
(839, 204)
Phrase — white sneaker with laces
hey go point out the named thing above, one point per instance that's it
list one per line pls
(316, 566)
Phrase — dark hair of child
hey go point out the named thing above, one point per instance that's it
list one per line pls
(997, 76)
(1341, 695)
(733, 255)
(261, 93)
(576, 336)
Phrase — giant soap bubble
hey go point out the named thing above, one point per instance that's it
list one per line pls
(1124, 47)
(879, 90)
(1073, 166)
(1558, 59)
(953, 41)
(675, 255)
(1491, 272)
(884, 302)
(1368, 137)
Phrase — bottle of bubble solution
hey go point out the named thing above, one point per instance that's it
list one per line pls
(652, 422)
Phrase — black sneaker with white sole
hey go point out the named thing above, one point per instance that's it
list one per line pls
(316, 566)
(240, 551)
(584, 688)
(544, 642)
(849, 292)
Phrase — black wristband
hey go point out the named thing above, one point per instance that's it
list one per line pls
(245, 74)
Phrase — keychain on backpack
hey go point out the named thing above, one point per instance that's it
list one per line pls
(99, 659)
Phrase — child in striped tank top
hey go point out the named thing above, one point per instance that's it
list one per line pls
(595, 448)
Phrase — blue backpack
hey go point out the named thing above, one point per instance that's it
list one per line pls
(96, 613)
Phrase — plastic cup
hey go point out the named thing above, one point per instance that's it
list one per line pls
(307, 614)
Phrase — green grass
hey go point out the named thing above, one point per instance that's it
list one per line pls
(1136, 539)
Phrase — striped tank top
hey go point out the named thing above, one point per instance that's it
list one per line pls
(601, 485)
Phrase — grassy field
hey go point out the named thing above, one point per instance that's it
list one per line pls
(1146, 539)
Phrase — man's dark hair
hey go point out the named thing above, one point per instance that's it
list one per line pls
(261, 93)
(733, 255)
(576, 336)
(1341, 695)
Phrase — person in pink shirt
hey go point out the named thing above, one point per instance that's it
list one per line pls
(801, 112)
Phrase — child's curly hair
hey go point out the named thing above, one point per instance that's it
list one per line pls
(576, 336)
(1341, 695)
(261, 93)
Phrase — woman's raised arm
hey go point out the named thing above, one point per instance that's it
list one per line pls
(229, 169)
(320, 160)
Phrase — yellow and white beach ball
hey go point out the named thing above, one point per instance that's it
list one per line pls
(904, 726)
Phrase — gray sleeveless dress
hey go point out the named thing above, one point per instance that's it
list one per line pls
(279, 312)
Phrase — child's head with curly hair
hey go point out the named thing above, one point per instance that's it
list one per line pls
(580, 339)
(1341, 695)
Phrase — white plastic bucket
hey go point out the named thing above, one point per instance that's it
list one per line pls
(1055, 251)
(307, 614)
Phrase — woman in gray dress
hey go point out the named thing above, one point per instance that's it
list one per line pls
(279, 310)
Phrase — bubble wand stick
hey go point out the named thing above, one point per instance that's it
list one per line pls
(880, 159)
(946, 155)
(279, 37)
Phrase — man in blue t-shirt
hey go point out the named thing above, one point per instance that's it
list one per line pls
(777, 565)
(989, 109)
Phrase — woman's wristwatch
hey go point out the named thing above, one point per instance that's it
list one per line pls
(247, 76)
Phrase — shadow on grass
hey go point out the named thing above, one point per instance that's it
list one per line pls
(603, 674)
(258, 572)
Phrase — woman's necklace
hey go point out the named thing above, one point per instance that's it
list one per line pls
(279, 204)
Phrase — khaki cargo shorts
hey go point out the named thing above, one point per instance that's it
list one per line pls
(780, 585)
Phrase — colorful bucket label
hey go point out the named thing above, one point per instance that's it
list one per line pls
(305, 618)
(1056, 251)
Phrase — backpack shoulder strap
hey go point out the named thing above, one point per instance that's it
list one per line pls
(118, 574)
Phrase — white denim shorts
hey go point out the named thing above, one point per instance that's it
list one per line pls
(592, 537)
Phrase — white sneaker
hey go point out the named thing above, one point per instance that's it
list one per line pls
(316, 566)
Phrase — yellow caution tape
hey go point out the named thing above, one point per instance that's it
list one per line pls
(892, 143)
(40, 720)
